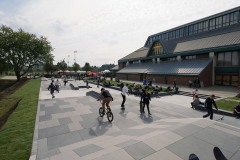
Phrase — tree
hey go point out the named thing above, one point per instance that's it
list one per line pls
(22, 50)
(4, 66)
(62, 65)
(76, 67)
(87, 67)
(48, 65)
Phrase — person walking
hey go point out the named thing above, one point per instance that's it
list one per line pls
(145, 99)
(208, 104)
(57, 85)
(123, 93)
(65, 81)
(51, 87)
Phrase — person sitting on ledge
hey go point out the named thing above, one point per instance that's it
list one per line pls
(236, 111)
(196, 102)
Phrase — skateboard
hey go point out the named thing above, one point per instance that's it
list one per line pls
(122, 108)
(218, 154)
(192, 156)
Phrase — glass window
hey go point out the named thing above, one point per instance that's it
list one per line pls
(205, 26)
(235, 58)
(233, 18)
(212, 24)
(181, 32)
(170, 35)
(226, 20)
(227, 59)
(218, 22)
(190, 30)
(226, 80)
(200, 27)
(177, 33)
(174, 34)
(195, 28)
(234, 81)
(220, 59)
(185, 31)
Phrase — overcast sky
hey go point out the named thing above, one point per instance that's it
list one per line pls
(103, 31)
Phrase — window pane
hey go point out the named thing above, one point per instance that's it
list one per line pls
(220, 59)
(226, 20)
(205, 25)
(228, 59)
(226, 80)
(234, 81)
(235, 58)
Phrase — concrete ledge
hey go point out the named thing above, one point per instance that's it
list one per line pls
(93, 94)
(220, 111)
(74, 86)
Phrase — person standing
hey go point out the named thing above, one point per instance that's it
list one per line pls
(98, 81)
(208, 104)
(174, 84)
(145, 100)
(123, 93)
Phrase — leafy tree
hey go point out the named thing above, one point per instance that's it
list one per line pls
(76, 67)
(4, 66)
(87, 67)
(62, 65)
(22, 50)
(48, 65)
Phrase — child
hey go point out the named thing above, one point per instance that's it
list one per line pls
(51, 88)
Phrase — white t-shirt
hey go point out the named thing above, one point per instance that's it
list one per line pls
(124, 90)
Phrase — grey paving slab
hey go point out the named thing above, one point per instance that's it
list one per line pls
(184, 147)
(63, 139)
(87, 133)
(128, 143)
(63, 121)
(162, 154)
(52, 131)
(139, 150)
(47, 154)
(236, 156)
(82, 151)
(218, 138)
(117, 155)
(45, 118)
(187, 130)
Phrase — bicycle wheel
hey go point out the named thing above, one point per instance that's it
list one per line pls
(101, 112)
(110, 116)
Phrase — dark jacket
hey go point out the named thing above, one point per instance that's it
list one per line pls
(106, 94)
(145, 98)
(209, 102)
(51, 87)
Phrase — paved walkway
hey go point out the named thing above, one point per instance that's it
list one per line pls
(69, 128)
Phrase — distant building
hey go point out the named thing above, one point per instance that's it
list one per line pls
(207, 49)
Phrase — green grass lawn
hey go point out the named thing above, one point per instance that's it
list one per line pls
(228, 103)
(17, 134)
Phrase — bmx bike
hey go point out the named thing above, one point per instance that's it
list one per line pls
(108, 112)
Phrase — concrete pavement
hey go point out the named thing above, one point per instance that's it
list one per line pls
(69, 127)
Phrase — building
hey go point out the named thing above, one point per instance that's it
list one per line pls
(207, 49)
